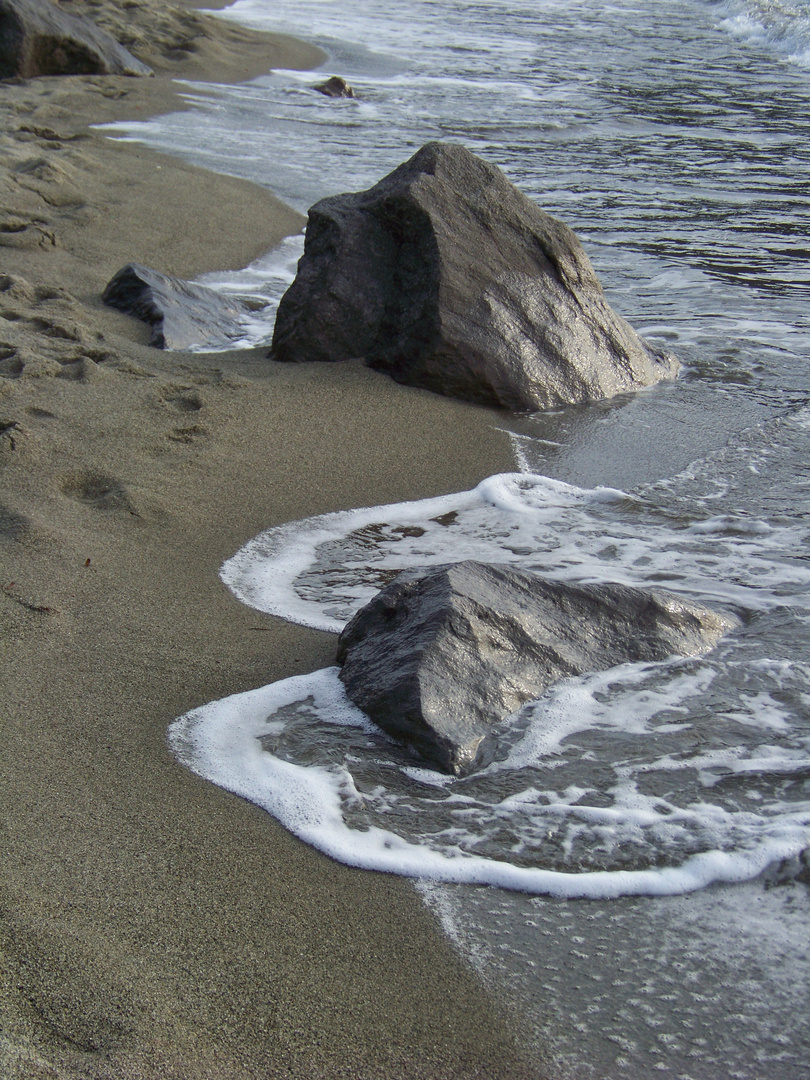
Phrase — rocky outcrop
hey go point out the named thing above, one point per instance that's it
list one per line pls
(180, 313)
(440, 657)
(447, 277)
(335, 87)
(38, 38)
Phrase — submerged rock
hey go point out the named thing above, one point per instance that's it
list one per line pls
(38, 38)
(335, 87)
(447, 277)
(440, 657)
(180, 313)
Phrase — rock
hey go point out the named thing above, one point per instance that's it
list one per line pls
(335, 87)
(180, 313)
(38, 38)
(447, 277)
(440, 657)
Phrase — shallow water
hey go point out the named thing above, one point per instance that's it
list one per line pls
(673, 137)
(650, 778)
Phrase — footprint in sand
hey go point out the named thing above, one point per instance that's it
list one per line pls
(11, 364)
(57, 184)
(99, 491)
(16, 288)
(12, 525)
(64, 344)
(183, 398)
(188, 434)
(24, 232)
(9, 432)
(48, 292)
(79, 369)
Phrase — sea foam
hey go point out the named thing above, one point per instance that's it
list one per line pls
(331, 808)
(648, 778)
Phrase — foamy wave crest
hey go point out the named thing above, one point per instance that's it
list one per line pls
(318, 572)
(780, 25)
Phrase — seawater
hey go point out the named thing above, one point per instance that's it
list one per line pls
(673, 137)
(650, 778)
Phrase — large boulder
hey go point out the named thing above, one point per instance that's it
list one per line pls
(440, 657)
(38, 38)
(180, 313)
(447, 277)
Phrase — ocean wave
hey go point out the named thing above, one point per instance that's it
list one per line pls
(534, 822)
(648, 778)
(782, 26)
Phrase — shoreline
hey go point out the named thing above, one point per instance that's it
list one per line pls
(78, 204)
(153, 925)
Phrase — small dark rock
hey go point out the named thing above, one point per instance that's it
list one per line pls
(335, 87)
(440, 657)
(38, 38)
(447, 277)
(180, 313)
(788, 871)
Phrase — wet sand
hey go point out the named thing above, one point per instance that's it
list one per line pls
(152, 925)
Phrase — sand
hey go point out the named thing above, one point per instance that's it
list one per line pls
(151, 924)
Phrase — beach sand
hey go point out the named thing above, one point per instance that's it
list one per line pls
(151, 924)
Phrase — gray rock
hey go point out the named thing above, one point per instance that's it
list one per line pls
(335, 87)
(180, 313)
(447, 277)
(38, 38)
(440, 657)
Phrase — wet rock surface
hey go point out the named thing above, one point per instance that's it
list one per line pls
(38, 38)
(335, 87)
(446, 276)
(180, 313)
(440, 657)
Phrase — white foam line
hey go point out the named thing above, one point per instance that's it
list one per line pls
(263, 572)
(220, 742)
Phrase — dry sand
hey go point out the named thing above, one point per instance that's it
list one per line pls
(152, 925)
